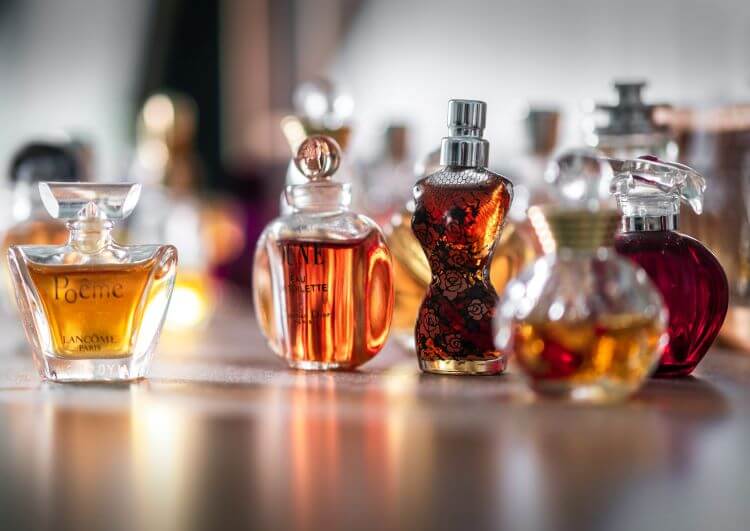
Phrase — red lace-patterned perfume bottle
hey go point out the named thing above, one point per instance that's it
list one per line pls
(459, 212)
(690, 278)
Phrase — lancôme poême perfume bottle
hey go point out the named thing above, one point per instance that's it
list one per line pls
(92, 309)
(322, 277)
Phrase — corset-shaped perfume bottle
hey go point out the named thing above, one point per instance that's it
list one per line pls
(630, 129)
(583, 323)
(92, 309)
(690, 278)
(322, 277)
(458, 215)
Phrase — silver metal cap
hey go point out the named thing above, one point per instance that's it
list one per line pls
(465, 146)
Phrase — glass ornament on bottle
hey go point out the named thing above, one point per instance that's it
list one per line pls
(322, 275)
(690, 278)
(92, 310)
(459, 213)
(583, 323)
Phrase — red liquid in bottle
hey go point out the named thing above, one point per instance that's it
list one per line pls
(694, 288)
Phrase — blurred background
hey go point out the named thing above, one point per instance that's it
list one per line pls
(205, 101)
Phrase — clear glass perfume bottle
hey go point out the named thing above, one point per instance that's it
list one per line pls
(583, 323)
(322, 276)
(92, 309)
(689, 276)
(459, 213)
(30, 224)
(630, 129)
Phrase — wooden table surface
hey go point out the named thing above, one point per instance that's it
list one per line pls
(223, 436)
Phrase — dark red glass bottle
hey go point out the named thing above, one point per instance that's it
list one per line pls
(690, 278)
(694, 288)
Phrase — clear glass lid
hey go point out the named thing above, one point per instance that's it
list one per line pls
(88, 201)
(647, 186)
(318, 158)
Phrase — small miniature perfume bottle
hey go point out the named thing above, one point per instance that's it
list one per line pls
(459, 213)
(92, 309)
(322, 276)
(690, 278)
(583, 323)
(630, 129)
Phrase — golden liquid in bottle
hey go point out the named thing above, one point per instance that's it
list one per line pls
(94, 311)
(337, 301)
(618, 352)
(33, 232)
(263, 296)
(514, 250)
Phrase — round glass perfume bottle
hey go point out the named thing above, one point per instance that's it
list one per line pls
(583, 323)
(688, 275)
(322, 276)
(92, 309)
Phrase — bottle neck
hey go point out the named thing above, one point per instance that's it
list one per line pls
(90, 236)
(649, 223)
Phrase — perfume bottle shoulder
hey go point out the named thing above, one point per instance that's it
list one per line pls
(458, 177)
(338, 225)
(67, 255)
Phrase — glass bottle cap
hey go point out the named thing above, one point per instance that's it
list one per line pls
(647, 186)
(318, 158)
(88, 201)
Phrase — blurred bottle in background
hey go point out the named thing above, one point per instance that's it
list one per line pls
(390, 177)
(715, 139)
(172, 210)
(320, 108)
(25, 220)
(629, 128)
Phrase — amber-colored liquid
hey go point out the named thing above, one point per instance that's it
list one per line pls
(457, 218)
(514, 250)
(337, 301)
(263, 296)
(617, 353)
(33, 232)
(93, 311)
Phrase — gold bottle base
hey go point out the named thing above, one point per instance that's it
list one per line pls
(483, 367)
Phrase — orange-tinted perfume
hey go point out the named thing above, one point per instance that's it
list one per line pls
(322, 277)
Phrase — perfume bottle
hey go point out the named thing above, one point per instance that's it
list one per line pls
(583, 323)
(515, 248)
(630, 129)
(459, 213)
(29, 222)
(92, 310)
(322, 276)
(171, 208)
(689, 276)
